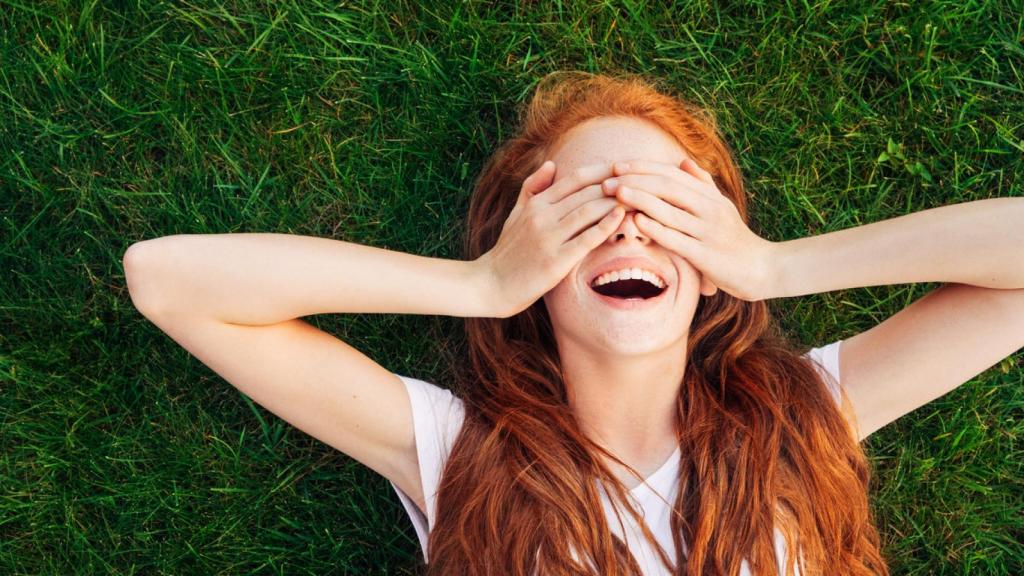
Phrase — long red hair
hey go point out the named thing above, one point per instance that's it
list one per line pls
(763, 444)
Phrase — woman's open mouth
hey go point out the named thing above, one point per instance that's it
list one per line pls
(629, 294)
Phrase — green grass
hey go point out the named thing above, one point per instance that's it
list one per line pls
(122, 121)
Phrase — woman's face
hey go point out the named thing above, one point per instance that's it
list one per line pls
(580, 314)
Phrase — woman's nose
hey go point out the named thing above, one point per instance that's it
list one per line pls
(628, 230)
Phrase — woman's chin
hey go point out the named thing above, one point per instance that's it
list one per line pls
(628, 340)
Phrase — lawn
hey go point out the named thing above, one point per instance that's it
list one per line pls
(368, 121)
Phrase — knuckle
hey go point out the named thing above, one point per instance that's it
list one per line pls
(600, 207)
(540, 225)
(534, 220)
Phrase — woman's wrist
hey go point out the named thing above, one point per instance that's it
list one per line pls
(772, 265)
(484, 293)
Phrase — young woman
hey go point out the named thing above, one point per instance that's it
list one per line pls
(628, 406)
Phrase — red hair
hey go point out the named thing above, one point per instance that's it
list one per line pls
(763, 444)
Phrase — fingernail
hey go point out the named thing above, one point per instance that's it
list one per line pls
(611, 183)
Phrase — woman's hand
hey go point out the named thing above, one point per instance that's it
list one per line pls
(550, 229)
(685, 212)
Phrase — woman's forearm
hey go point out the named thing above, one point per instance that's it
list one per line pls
(266, 278)
(979, 243)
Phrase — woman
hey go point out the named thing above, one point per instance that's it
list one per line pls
(655, 423)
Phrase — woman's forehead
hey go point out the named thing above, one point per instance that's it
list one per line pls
(608, 139)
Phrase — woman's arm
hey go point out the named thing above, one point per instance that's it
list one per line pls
(940, 341)
(234, 301)
(266, 278)
(977, 243)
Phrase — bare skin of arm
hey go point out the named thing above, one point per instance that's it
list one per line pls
(235, 301)
(943, 339)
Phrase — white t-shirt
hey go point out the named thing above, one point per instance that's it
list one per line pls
(438, 417)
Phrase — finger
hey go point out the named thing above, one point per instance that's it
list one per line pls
(677, 192)
(585, 215)
(663, 169)
(663, 212)
(592, 237)
(674, 240)
(578, 178)
(539, 180)
(573, 201)
(691, 166)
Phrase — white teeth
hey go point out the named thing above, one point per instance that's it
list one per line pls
(627, 274)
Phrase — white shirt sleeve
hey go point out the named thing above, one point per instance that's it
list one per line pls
(437, 418)
(826, 362)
